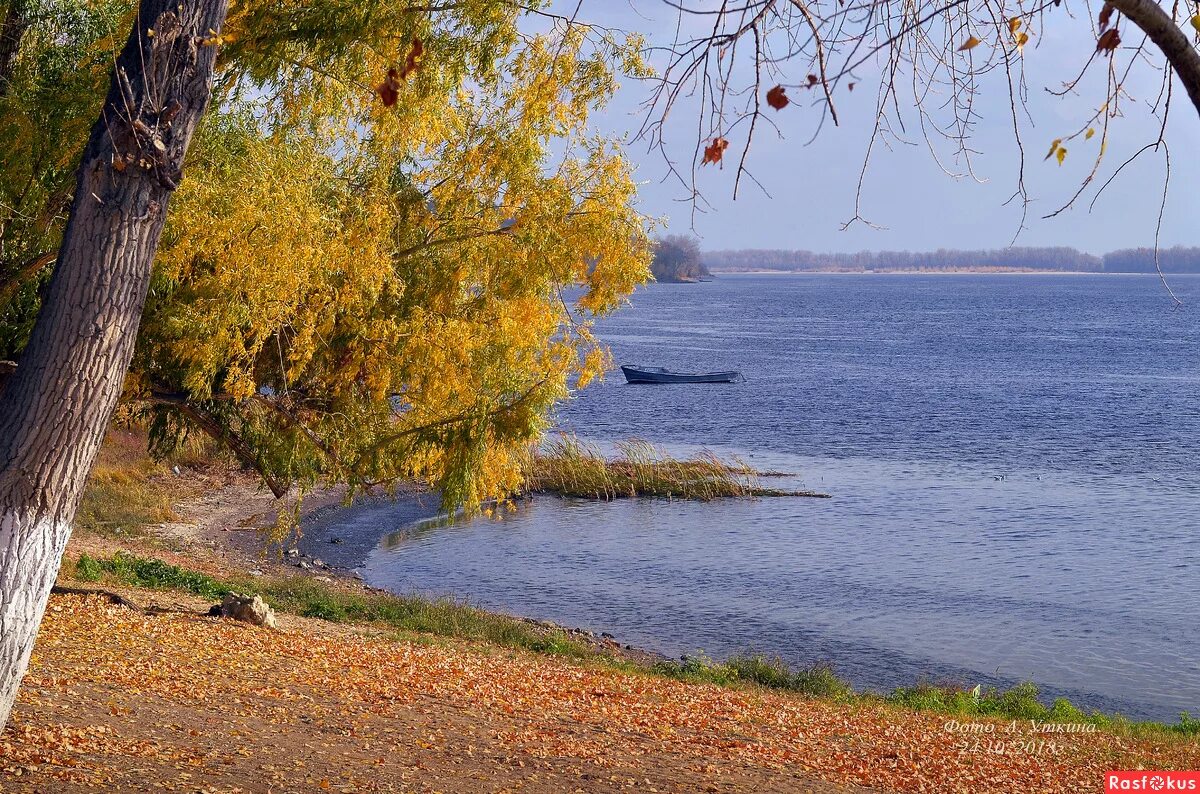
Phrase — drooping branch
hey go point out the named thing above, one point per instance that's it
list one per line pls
(458, 418)
(218, 432)
(285, 412)
(946, 48)
(24, 271)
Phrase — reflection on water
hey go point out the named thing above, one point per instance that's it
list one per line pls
(1013, 464)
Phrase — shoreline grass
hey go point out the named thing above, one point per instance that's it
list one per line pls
(307, 597)
(567, 466)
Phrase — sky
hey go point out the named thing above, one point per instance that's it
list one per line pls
(812, 186)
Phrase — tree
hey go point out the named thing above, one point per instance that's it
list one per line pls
(414, 322)
(742, 63)
(55, 408)
(677, 258)
(362, 278)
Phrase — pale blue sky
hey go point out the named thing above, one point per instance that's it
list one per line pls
(812, 188)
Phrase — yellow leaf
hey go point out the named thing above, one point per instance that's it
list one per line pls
(1196, 22)
(1021, 38)
(1013, 24)
(970, 44)
(1061, 154)
(1091, 131)
(1053, 148)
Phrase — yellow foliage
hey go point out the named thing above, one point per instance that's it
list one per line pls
(365, 292)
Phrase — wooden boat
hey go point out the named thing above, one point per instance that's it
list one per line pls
(663, 375)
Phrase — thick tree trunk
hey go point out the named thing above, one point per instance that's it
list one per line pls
(55, 408)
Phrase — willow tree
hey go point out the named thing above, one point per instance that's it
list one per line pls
(411, 317)
(364, 277)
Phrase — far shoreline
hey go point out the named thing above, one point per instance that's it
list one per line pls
(963, 272)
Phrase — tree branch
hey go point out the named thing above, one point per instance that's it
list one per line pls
(227, 437)
(1156, 23)
(11, 284)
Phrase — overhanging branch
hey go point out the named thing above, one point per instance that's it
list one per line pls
(220, 433)
(1160, 26)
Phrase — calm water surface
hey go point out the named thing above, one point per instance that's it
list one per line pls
(1014, 467)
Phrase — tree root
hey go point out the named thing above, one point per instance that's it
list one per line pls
(115, 598)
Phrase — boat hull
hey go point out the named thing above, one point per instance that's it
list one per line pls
(658, 375)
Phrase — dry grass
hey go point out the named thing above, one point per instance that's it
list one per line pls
(570, 467)
(128, 491)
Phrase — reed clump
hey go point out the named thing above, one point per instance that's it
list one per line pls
(567, 466)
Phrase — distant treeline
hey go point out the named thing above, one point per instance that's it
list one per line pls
(1127, 260)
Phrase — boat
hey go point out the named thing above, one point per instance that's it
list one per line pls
(663, 375)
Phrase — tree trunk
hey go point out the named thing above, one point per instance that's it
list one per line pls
(55, 408)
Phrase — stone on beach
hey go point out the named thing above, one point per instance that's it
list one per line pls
(247, 609)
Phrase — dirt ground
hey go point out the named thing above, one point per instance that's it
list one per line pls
(175, 701)
(169, 699)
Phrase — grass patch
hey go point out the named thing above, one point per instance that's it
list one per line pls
(300, 595)
(133, 571)
(128, 491)
(1022, 702)
(122, 496)
(816, 681)
(570, 467)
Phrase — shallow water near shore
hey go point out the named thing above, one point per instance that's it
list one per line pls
(1013, 464)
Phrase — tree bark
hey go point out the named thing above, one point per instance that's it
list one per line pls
(56, 406)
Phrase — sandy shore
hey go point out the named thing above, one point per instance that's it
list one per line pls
(222, 532)
(231, 520)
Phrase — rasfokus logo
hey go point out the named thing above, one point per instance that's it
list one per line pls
(1145, 780)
